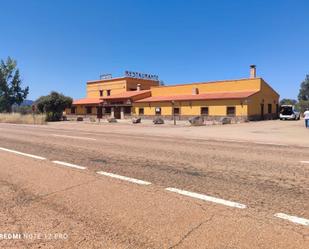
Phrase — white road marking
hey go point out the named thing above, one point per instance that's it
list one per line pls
(304, 161)
(267, 143)
(69, 165)
(207, 198)
(129, 179)
(293, 219)
(23, 154)
(74, 137)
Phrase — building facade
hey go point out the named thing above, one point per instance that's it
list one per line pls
(243, 99)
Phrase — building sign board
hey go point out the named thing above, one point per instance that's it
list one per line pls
(138, 75)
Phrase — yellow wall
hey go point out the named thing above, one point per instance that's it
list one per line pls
(145, 84)
(116, 87)
(221, 86)
(192, 108)
(267, 96)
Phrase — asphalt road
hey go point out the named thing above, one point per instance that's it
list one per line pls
(251, 195)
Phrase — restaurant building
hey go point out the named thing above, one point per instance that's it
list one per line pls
(141, 95)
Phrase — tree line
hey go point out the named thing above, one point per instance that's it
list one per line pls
(303, 97)
(12, 95)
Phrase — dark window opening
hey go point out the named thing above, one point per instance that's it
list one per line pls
(286, 110)
(176, 111)
(231, 111)
(116, 103)
(158, 110)
(88, 109)
(73, 110)
(270, 108)
(108, 110)
(277, 109)
(101, 93)
(127, 110)
(141, 111)
(205, 111)
(108, 92)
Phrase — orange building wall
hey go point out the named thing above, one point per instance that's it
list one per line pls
(267, 96)
(116, 87)
(219, 86)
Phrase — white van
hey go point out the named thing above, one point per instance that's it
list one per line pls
(289, 112)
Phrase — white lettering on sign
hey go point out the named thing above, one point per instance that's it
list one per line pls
(141, 75)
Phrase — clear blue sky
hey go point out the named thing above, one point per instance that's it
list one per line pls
(59, 45)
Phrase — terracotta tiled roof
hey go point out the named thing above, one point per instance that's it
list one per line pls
(202, 96)
(126, 95)
(86, 101)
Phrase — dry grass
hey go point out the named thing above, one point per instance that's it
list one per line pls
(16, 118)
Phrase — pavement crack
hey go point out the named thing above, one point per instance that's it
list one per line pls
(192, 230)
(63, 190)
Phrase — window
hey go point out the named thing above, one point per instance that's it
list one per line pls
(108, 110)
(88, 109)
(204, 111)
(73, 110)
(230, 111)
(140, 111)
(158, 110)
(101, 93)
(270, 108)
(127, 109)
(108, 92)
(176, 111)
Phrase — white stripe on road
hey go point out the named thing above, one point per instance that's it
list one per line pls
(293, 219)
(266, 143)
(74, 137)
(207, 198)
(129, 179)
(69, 165)
(304, 161)
(23, 154)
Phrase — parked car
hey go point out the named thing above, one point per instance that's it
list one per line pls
(289, 112)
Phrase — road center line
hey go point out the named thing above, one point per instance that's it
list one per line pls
(74, 137)
(293, 219)
(269, 143)
(129, 179)
(69, 165)
(304, 161)
(23, 154)
(207, 198)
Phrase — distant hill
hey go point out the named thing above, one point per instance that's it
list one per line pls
(27, 102)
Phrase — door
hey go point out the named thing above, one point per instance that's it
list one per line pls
(99, 112)
(262, 111)
(117, 112)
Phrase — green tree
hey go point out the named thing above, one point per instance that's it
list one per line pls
(303, 95)
(304, 90)
(288, 102)
(53, 105)
(10, 85)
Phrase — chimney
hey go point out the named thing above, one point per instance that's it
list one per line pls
(138, 88)
(252, 71)
(194, 91)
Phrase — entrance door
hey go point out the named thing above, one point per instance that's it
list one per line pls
(99, 112)
(262, 111)
(117, 112)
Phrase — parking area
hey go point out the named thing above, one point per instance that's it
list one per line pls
(285, 132)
